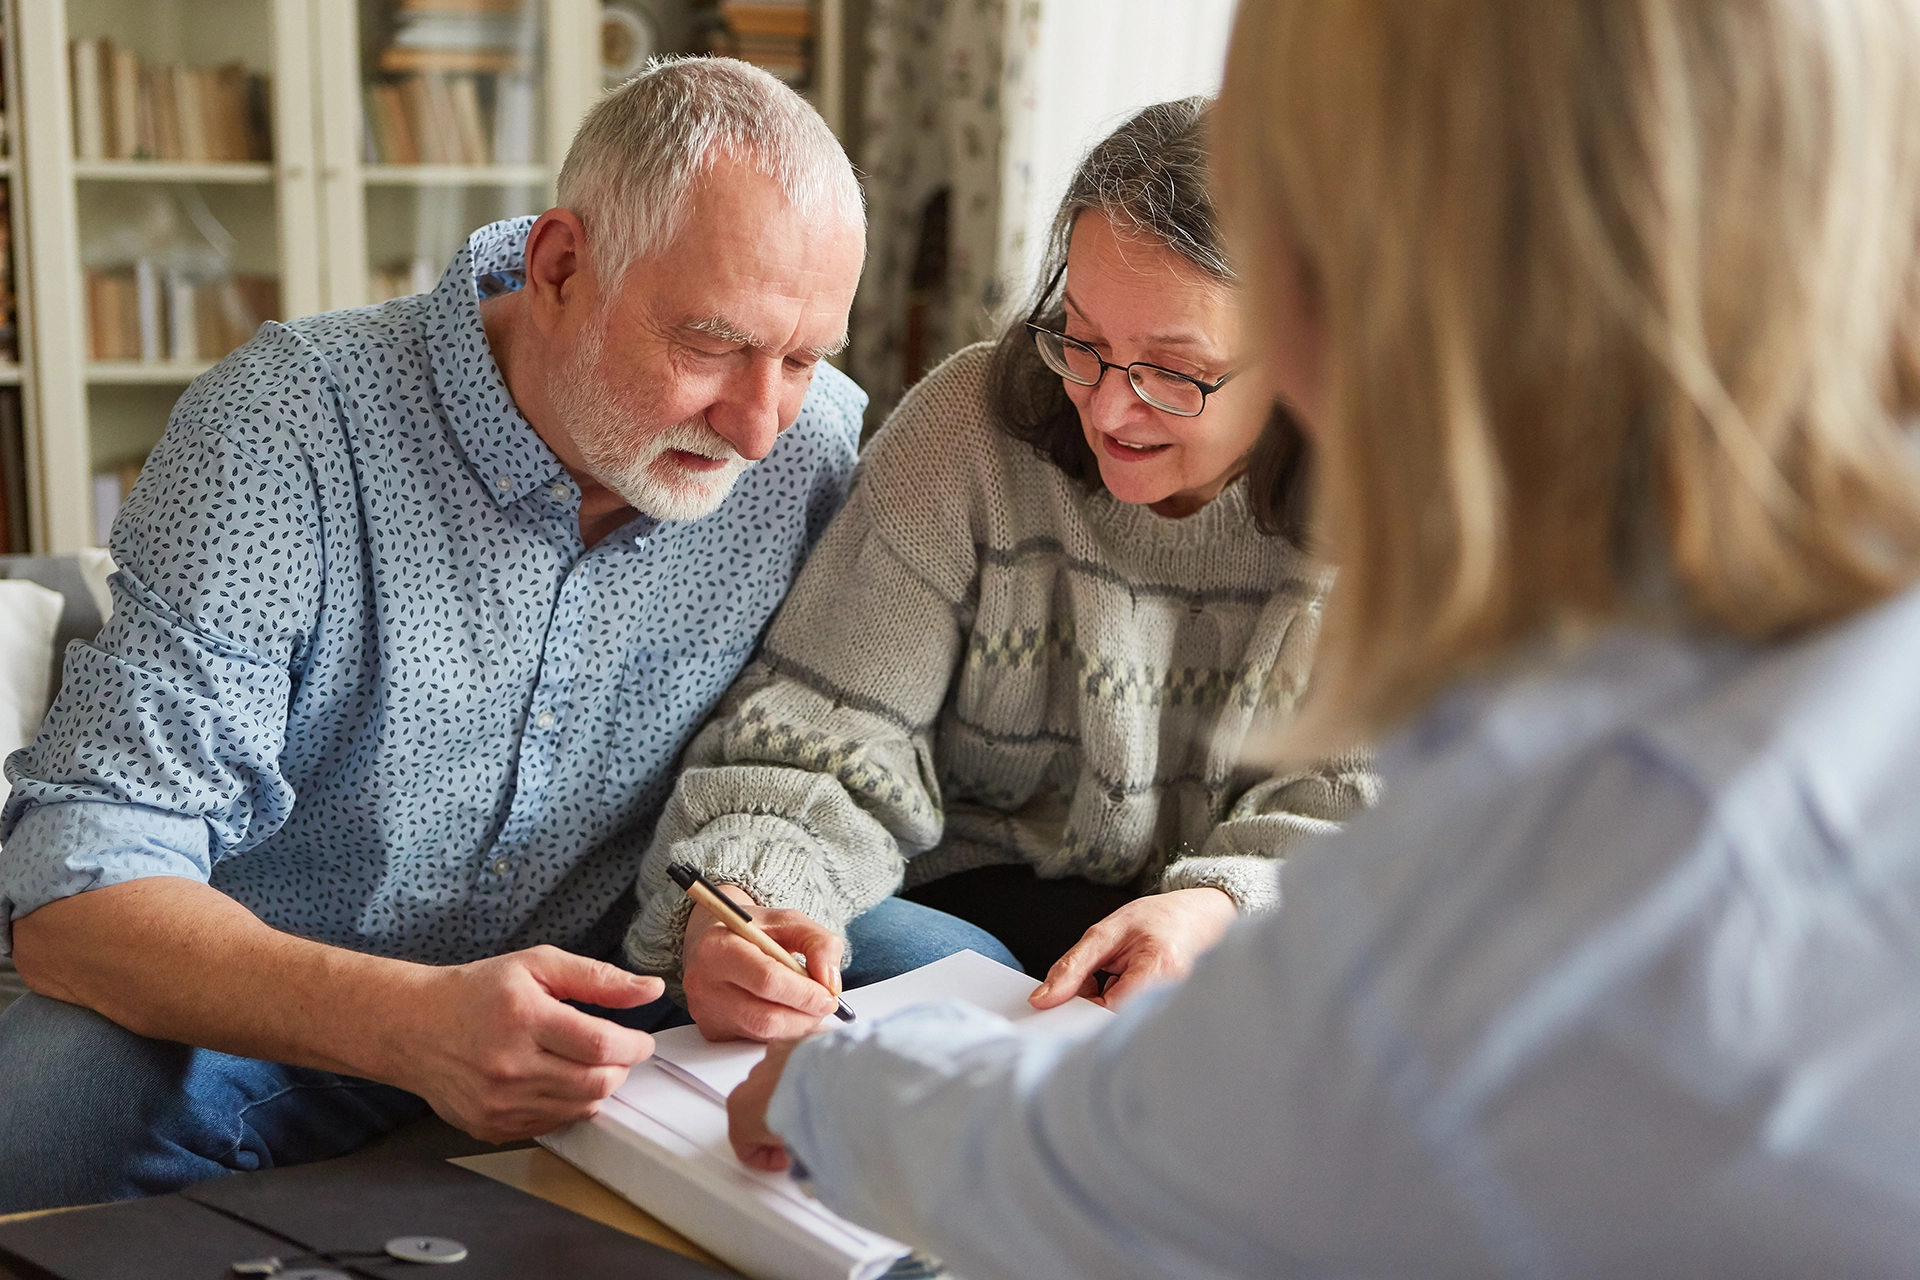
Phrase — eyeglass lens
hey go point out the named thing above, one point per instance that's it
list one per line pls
(1078, 363)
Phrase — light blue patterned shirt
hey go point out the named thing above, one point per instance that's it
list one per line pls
(1622, 979)
(362, 673)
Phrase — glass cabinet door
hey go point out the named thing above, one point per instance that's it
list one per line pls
(192, 203)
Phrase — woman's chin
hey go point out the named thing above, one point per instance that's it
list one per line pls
(1126, 484)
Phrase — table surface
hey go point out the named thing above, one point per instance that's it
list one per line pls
(539, 1172)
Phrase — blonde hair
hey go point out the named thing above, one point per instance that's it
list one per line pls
(631, 169)
(1619, 299)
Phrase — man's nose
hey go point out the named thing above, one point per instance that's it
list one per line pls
(748, 415)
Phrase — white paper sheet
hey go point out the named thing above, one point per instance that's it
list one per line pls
(967, 976)
(661, 1140)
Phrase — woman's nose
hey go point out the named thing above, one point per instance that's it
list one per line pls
(1113, 403)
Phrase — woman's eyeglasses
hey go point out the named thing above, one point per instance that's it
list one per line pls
(1180, 394)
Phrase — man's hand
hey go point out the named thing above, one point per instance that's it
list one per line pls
(758, 1146)
(489, 1045)
(1151, 940)
(498, 1054)
(735, 992)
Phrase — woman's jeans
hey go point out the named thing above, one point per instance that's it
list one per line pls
(90, 1111)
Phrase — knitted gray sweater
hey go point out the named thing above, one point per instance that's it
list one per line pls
(984, 662)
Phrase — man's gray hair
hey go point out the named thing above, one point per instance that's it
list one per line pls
(632, 168)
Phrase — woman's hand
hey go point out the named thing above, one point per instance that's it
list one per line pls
(734, 992)
(758, 1146)
(1150, 940)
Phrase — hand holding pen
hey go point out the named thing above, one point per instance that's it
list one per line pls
(742, 979)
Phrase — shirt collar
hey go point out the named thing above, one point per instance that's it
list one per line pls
(506, 453)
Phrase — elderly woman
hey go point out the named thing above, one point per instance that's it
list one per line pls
(1604, 320)
(1018, 672)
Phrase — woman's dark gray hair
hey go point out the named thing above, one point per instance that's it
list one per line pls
(1150, 177)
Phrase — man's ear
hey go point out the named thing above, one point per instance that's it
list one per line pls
(560, 278)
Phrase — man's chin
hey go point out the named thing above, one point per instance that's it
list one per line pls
(687, 496)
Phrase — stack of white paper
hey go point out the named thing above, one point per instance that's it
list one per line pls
(661, 1140)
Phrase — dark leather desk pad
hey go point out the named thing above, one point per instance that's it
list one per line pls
(336, 1208)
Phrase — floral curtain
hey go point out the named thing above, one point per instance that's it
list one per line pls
(948, 162)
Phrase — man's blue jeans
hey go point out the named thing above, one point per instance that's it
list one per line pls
(90, 1111)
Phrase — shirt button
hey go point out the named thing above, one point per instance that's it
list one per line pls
(559, 492)
(501, 866)
(544, 720)
(503, 483)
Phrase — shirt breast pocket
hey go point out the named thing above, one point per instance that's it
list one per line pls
(665, 696)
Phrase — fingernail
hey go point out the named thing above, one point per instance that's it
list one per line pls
(833, 980)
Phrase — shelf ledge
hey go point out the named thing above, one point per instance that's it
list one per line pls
(145, 372)
(454, 175)
(171, 171)
(10, 374)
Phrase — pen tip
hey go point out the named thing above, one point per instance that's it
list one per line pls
(843, 1012)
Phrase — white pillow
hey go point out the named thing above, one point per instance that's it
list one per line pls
(29, 620)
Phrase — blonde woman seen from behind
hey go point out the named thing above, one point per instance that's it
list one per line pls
(1603, 321)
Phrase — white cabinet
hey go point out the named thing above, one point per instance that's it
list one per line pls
(191, 167)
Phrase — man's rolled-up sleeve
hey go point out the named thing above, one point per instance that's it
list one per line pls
(161, 755)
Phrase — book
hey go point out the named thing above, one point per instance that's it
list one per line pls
(127, 109)
(89, 119)
(396, 59)
(463, 96)
(766, 19)
(147, 303)
(183, 334)
(124, 79)
(13, 475)
(661, 1139)
(136, 313)
(515, 106)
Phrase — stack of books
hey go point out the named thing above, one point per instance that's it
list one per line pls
(457, 85)
(142, 313)
(6, 130)
(9, 304)
(774, 35)
(128, 109)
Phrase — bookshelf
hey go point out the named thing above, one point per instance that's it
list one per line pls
(19, 457)
(314, 204)
(187, 168)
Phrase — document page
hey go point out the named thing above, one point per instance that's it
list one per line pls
(716, 1068)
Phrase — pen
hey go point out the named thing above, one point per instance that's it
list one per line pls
(732, 915)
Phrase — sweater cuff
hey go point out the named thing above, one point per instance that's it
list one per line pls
(1252, 882)
(774, 860)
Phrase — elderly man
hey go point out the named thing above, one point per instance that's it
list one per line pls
(336, 820)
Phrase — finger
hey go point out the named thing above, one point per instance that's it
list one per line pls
(571, 1084)
(823, 962)
(740, 1016)
(745, 966)
(570, 977)
(753, 1142)
(1140, 973)
(582, 1038)
(770, 1157)
(1072, 973)
(820, 945)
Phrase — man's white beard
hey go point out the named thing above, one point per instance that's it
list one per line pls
(642, 471)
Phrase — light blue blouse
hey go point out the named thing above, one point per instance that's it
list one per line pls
(1623, 979)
